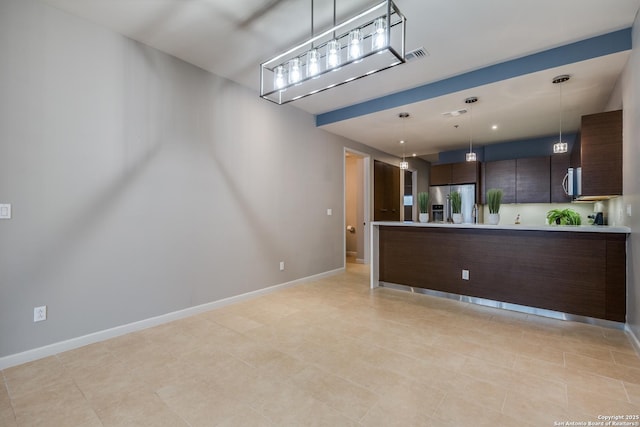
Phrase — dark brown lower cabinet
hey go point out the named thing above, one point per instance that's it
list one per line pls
(579, 273)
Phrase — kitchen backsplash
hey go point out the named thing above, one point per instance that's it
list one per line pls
(536, 213)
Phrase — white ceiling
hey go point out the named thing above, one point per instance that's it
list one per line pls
(231, 39)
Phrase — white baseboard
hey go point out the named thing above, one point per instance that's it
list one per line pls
(73, 343)
(635, 342)
(352, 253)
(359, 261)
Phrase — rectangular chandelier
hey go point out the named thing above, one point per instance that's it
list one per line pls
(370, 42)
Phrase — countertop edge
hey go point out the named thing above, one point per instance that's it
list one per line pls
(519, 227)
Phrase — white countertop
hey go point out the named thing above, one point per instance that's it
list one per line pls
(574, 228)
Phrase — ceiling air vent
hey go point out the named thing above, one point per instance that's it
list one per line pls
(455, 113)
(418, 53)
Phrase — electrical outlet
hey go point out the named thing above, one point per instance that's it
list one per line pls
(40, 313)
(5, 211)
(281, 265)
(465, 274)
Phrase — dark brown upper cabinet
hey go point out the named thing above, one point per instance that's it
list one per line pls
(533, 180)
(440, 175)
(601, 154)
(559, 165)
(455, 173)
(465, 173)
(500, 174)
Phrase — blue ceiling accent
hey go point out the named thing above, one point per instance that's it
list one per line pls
(606, 44)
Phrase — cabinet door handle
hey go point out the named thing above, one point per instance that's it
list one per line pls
(565, 184)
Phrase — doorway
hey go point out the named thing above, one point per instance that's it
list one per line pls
(356, 205)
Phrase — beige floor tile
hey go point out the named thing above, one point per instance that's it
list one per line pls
(633, 393)
(32, 376)
(200, 407)
(135, 406)
(344, 396)
(6, 410)
(249, 418)
(607, 369)
(483, 393)
(573, 378)
(238, 323)
(468, 348)
(594, 404)
(104, 386)
(55, 404)
(626, 359)
(290, 406)
(462, 412)
(517, 380)
(540, 412)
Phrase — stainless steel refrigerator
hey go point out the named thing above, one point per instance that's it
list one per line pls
(440, 206)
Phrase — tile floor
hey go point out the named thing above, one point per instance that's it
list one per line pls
(334, 353)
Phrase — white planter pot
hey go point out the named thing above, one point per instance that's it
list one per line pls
(494, 218)
(457, 218)
(423, 217)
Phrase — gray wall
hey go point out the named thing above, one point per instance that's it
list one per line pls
(630, 90)
(142, 185)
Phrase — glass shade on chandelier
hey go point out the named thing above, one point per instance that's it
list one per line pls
(279, 78)
(337, 56)
(404, 165)
(313, 63)
(471, 157)
(333, 54)
(355, 44)
(379, 36)
(295, 72)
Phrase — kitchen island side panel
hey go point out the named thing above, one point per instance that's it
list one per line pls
(576, 273)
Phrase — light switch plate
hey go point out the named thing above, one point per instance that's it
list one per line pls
(5, 211)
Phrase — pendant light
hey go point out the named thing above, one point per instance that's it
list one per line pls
(404, 165)
(471, 156)
(313, 56)
(333, 47)
(560, 146)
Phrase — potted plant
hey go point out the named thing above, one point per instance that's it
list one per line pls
(564, 217)
(423, 207)
(456, 206)
(494, 199)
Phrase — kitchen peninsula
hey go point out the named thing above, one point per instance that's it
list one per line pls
(575, 270)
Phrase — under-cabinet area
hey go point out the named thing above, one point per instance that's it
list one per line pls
(573, 270)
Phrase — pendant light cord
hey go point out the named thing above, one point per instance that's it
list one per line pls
(560, 140)
(334, 17)
(471, 129)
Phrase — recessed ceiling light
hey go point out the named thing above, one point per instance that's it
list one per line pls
(414, 154)
(494, 127)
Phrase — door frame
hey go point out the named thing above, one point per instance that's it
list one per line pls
(366, 209)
